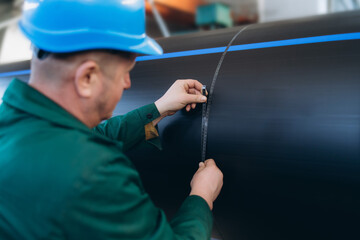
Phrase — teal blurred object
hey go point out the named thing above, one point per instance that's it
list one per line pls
(214, 15)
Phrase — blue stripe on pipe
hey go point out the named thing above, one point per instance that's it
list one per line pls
(261, 45)
(281, 43)
(297, 41)
(15, 73)
(182, 54)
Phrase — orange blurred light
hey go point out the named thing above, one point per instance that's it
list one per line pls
(182, 11)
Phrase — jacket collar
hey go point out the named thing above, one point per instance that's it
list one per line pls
(25, 98)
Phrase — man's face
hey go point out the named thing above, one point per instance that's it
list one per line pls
(114, 85)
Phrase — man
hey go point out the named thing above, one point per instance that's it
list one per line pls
(64, 176)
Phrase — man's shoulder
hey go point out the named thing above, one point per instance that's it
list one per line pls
(77, 145)
(43, 151)
(36, 138)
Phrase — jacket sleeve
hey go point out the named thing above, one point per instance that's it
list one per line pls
(130, 128)
(112, 204)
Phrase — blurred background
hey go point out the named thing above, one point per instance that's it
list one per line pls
(166, 18)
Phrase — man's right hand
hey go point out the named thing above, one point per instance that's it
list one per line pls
(207, 182)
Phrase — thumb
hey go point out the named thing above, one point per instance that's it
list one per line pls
(192, 98)
(210, 162)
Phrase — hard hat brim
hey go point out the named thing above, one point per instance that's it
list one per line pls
(149, 47)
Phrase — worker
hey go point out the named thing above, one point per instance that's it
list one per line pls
(63, 171)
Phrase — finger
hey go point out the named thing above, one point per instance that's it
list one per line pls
(194, 91)
(191, 98)
(188, 107)
(193, 106)
(201, 165)
(210, 162)
(194, 84)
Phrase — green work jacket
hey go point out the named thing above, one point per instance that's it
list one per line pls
(61, 180)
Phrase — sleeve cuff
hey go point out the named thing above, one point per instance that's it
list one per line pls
(195, 208)
(150, 131)
(148, 114)
(200, 203)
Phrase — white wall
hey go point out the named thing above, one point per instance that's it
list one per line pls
(273, 10)
(343, 5)
(15, 47)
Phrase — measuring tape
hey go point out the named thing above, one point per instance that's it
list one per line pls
(206, 109)
(206, 106)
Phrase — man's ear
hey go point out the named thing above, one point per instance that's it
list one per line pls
(127, 81)
(87, 77)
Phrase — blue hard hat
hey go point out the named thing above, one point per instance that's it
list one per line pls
(61, 26)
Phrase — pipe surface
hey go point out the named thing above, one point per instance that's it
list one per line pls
(284, 127)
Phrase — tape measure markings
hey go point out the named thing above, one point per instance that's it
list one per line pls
(207, 106)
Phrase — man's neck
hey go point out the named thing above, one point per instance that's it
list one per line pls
(64, 96)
